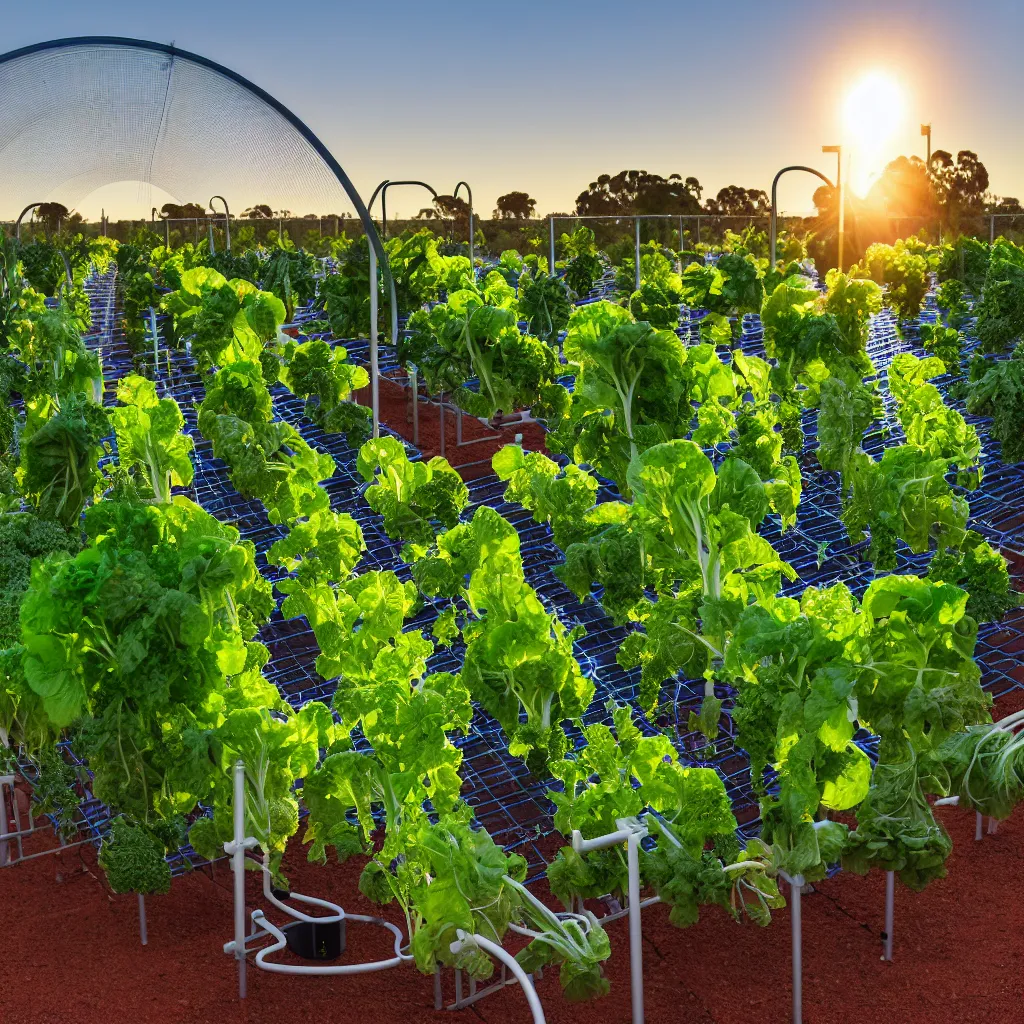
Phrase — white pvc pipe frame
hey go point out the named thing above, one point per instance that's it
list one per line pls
(632, 833)
(237, 849)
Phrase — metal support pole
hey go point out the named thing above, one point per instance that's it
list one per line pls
(209, 226)
(551, 233)
(636, 252)
(143, 935)
(977, 826)
(227, 221)
(469, 194)
(374, 367)
(630, 832)
(438, 996)
(991, 230)
(796, 884)
(167, 234)
(698, 230)
(440, 421)
(156, 341)
(238, 870)
(636, 948)
(773, 228)
(5, 780)
(890, 911)
(414, 378)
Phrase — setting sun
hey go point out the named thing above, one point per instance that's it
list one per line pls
(873, 112)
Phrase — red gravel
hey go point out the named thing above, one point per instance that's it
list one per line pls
(74, 956)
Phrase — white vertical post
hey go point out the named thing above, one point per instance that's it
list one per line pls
(156, 341)
(992, 229)
(414, 378)
(471, 237)
(636, 249)
(238, 870)
(636, 948)
(551, 233)
(4, 780)
(209, 226)
(631, 833)
(143, 935)
(977, 826)
(796, 884)
(374, 369)
(890, 912)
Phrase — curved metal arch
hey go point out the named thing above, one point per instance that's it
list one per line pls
(21, 217)
(382, 191)
(775, 212)
(296, 122)
(469, 193)
(227, 220)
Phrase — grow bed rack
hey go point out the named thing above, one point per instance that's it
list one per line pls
(511, 804)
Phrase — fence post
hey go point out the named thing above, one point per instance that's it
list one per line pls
(636, 248)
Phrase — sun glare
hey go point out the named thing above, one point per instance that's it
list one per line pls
(872, 114)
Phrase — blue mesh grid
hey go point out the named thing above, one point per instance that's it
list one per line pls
(507, 800)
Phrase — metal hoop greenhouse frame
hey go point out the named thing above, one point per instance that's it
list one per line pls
(377, 250)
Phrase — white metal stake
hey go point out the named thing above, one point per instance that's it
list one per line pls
(143, 935)
(977, 826)
(374, 369)
(890, 912)
(551, 231)
(796, 884)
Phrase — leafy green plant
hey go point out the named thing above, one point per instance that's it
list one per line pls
(322, 375)
(269, 459)
(150, 441)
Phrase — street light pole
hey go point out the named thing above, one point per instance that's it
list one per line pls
(838, 150)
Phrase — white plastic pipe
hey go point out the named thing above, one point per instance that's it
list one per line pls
(260, 919)
(551, 231)
(143, 934)
(525, 981)
(630, 833)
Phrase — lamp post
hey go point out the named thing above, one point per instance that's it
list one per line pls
(926, 131)
(838, 150)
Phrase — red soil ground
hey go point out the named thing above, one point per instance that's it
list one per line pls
(396, 412)
(73, 953)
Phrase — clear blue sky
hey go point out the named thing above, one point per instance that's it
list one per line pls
(544, 96)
